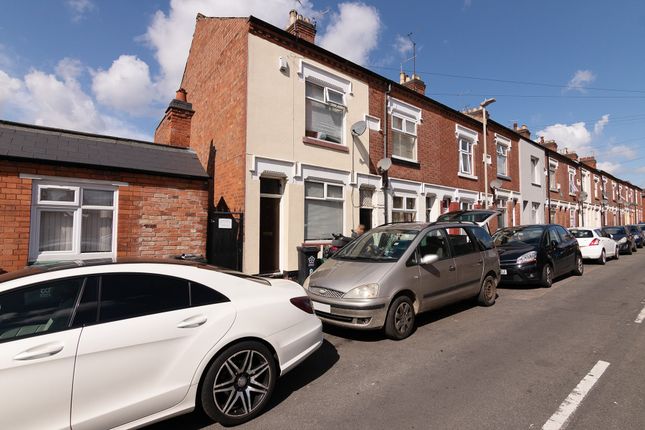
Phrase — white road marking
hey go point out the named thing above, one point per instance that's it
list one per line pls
(641, 317)
(561, 417)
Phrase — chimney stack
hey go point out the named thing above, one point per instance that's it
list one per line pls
(413, 82)
(174, 128)
(523, 131)
(589, 161)
(549, 144)
(571, 155)
(301, 27)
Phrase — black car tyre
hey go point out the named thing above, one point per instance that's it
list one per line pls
(399, 323)
(580, 266)
(603, 257)
(239, 383)
(547, 276)
(488, 291)
(630, 251)
(617, 254)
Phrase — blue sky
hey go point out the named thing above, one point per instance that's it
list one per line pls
(573, 71)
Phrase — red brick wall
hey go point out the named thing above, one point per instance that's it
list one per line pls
(215, 80)
(174, 128)
(157, 216)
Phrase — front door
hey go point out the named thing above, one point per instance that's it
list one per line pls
(270, 195)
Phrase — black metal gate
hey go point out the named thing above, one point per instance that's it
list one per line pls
(225, 239)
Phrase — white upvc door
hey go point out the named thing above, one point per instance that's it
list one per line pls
(36, 381)
(136, 367)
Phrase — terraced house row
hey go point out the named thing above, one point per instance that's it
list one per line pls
(293, 143)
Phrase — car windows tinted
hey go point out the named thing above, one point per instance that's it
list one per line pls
(460, 242)
(530, 235)
(554, 236)
(87, 309)
(38, 309)
(581, 234)
(482, 237)
(128, 295)
(435, 242)
(564, 234)
(614, 230)
(201, 295)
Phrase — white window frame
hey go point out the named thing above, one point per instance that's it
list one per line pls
(572, 218)
(326, 101)
(572, 181)
(553, 171)
(325, 197)
(504, 144)
(465, 134)
(404, 209)
(77, 207)
(407, 113)
(535, 171)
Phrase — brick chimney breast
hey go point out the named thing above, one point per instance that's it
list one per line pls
(589, 161)
(301, 27)
(413, 82)
(174, 128)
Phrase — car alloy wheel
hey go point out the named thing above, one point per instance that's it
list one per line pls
(547, 276)
(239, 383)
(403, 317)
(580, 266)
(603, 257)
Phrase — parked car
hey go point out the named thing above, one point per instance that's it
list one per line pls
(393, 272)
(536, 254)
(127, 344)
(595, 244)
(637, 233)
(623, 237)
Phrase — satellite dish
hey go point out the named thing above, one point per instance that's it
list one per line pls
(384, 164)
(359, 128)
(583, 195)
(496, 184)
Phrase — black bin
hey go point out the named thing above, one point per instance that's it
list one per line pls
(307, 261)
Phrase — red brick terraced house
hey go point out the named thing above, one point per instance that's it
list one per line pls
(295, 135)
(66, 195)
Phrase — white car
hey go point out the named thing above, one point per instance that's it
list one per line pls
(595, 244)
(122, 345)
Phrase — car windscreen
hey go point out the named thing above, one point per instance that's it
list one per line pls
(530, 235)
(614, 230)
(378, 245)
(581, 234)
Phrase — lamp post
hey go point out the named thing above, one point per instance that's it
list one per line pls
(485, 121)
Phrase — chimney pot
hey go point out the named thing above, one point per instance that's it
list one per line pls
(301, 27)
(181, 95)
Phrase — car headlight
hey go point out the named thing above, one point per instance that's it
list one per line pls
(305, 284)
(623, 240)
(529, 257)
(367, 291)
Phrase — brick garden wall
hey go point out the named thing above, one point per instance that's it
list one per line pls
(157, 216)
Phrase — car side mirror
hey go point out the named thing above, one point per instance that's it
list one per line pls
(554, 244)
(429, 259)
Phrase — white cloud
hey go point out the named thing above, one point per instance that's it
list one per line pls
(69, 68)
(403, 44)
(608, 166)
(580, 80)
(59, 101)
(79, 8)
(353, 32)
(600, 124)
(125, 86)
(574, 137)
(623, 151)
(170, 35)
(8, 87)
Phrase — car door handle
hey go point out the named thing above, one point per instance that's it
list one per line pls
(192, 322)
(451, 268)
(40, 351)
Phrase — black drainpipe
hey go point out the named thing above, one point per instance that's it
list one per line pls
(384, 174)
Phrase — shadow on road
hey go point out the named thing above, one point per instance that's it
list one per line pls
(308, 371)
(524, 286)
(421, 320)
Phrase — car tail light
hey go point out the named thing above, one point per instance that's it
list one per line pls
(303, 303)
(594, 242)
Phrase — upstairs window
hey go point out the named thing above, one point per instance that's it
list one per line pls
(325, 113)
(404, 138)
(552, 176)
(572, 182)
(465, 156)
(502, 146)
(536, 177)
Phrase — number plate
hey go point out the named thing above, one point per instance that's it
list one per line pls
(322, 307)
(503, 271)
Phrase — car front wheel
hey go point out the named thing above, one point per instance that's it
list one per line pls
(603, 257)
(399, 323)
(239, 383)
(616, 253)
(547, 276)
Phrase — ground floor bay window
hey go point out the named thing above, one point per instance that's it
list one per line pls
(323, 210)
(72, 221)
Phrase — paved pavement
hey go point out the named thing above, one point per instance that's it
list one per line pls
(510, 366)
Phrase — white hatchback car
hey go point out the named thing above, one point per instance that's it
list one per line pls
(123, 345)
(595, 244)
